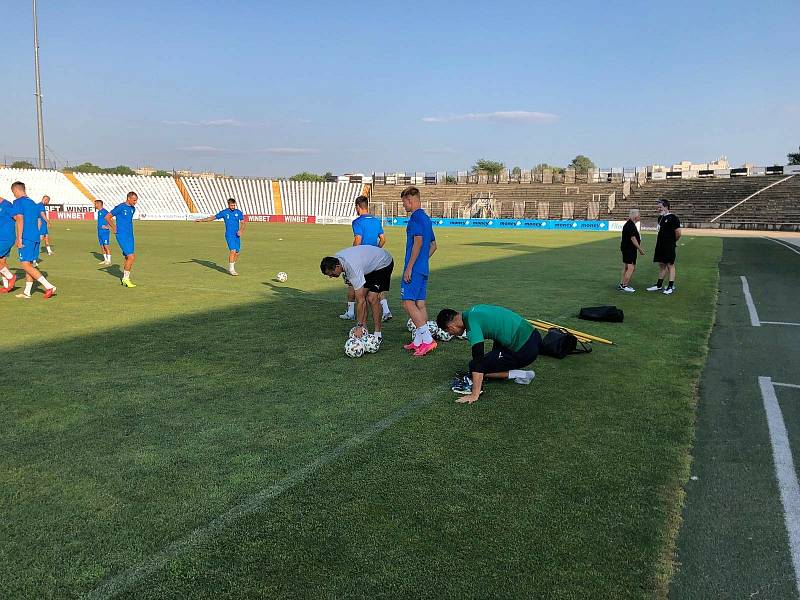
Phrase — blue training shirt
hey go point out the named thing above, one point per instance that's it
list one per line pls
(419, 225)
(369, 228)
(101, 219)
(8, 230)
(124, 215)
(30, 216)
(232, 219)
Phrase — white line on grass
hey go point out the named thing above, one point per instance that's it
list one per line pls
(784, 244)
(789, 385)
(123, 581)
(751, 307)
(779, 323)
(785, 471)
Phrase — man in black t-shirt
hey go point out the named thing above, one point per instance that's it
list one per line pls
(630, 245)
(669, 232)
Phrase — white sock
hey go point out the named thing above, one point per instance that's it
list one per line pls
(107, 257)
(6, 273)
(48, 250)
(5, 281)
(425, 331)
(47, 285)
(351, 308)
(28, 287)
(126, 274)
(385, 306)
(378, 334)
(418, 336)
(231, 266)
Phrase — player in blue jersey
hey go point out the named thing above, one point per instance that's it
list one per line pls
(123, 229)
(420, 246)
(103, 232)
(234, 228)
(8, 238)
(26, 216)
(44, 224)
(367, 231)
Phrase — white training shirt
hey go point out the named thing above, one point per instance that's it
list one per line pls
(357, 261)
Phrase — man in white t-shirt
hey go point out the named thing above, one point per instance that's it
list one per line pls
(369, 270)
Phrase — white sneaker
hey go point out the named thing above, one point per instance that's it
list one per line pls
(627, 288)
(654, 288)
(23, 295)
(386, 316)
(234, 273)
(529, 375)
(668, 291)
(347, 316)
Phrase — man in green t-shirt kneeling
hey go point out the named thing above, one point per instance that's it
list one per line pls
(516, 345)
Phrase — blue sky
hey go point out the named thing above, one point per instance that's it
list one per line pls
(273, 88)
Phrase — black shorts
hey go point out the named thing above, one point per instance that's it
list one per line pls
(629, 256)
(502, 359)
(380, 280)
(664, 255)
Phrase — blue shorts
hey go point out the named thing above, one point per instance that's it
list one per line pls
(6, 246)
(417, 289)
(234, 242)
(30, 252)
(43, 229)
(127, 246)
(104, 237)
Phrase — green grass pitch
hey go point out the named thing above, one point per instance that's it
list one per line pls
(204, 436)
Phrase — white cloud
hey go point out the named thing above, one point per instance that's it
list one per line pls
(290, 150)
(213, 123)
(205, 149)
(500, 116)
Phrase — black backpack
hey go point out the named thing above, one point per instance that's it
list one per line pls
(602, 313)
(558, 343)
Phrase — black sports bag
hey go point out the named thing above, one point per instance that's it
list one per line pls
(602, 313)
(558, 343)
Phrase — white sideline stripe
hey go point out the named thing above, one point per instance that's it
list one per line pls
(779, 323)
(764, 189)
(784, 469)
(789, 385)
(751, 307)
(122, 581)
(782, 243)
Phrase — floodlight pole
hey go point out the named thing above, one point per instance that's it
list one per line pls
(38, 94)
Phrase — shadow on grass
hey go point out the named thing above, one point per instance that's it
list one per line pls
(97, 255)
(167, 423)
(208, 264)
(114, 270)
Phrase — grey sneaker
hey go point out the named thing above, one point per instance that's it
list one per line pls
(529, 375)
(654, 288)
(346, 316)
(668, 291)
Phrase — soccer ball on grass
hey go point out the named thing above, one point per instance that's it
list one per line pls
(282, 277)
(354, 347)
(371, 343)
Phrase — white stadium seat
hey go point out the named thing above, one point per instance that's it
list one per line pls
(40, 182)
(253, 196)
(157, 195)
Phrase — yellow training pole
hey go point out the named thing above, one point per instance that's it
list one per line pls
(578, 334)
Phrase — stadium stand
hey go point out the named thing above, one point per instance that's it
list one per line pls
(40, 182)
(699, 201)
(157, 195)
(528, 201)
(254, 196)
(328, 199)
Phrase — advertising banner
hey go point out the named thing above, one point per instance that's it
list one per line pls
(58, 215)
(280, 218)
(541, 224)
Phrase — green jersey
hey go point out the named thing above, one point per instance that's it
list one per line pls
(490, 322)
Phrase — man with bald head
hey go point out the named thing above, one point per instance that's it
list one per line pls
(630, 245)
